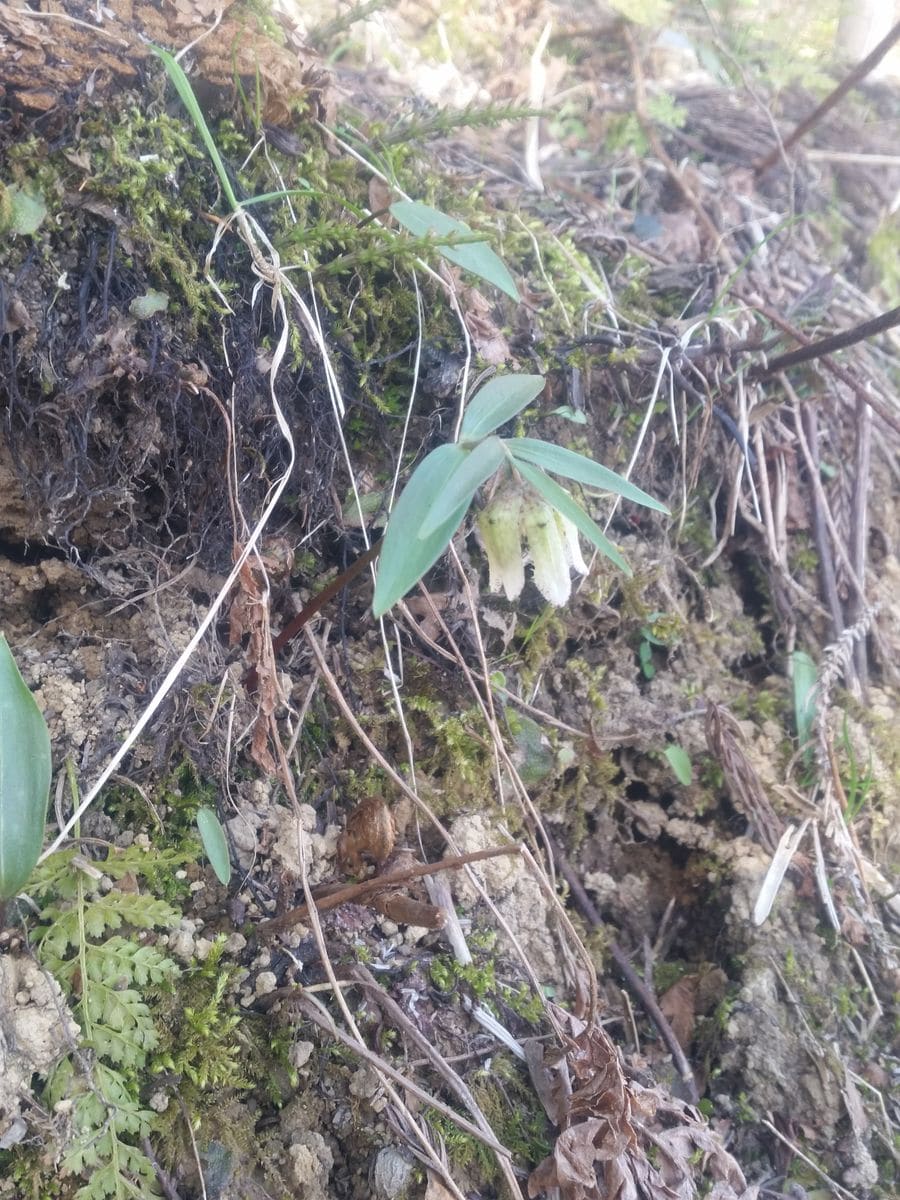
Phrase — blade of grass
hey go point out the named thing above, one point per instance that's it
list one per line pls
(189, 100)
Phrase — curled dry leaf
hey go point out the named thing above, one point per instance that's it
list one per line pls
(249, 617)
(678, 1005)
(370, 835)
(403, 909)
(619, 1140)
(489, 339)
(744, 784)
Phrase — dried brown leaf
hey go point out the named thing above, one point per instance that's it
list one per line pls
(403, 909)
(622, 1141)
(744, 784)
(571, 1165)
(678, 1005)
(489, 340)
(549, 1074)
(370, 835)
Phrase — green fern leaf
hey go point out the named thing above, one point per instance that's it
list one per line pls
(118, 959)
(116, 1021)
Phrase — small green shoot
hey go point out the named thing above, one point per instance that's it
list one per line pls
(645, 651)
(805, 676)
(214, 843)
(856, 783)
(189, 100)
(680, 762)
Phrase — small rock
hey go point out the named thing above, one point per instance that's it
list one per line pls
(300, 1054)
(266, 982)
(181, 944)
(392, 1174)
(14, 1133)
(364, 1084)
(311, 1162)
(415, 933)
(202, 948)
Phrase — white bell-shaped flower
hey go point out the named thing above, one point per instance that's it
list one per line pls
(500, 533)
(552, 545)
(547, 550)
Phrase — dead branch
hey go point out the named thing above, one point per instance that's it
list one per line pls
(859, 72)
(360, 893)
(831, 344)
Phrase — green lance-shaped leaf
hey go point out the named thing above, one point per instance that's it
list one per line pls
(476, 468)
(560, 499)
(214, 843)
(477, 257)
(805, 681)
(680, 762)
(575, 466)
(405, 557)
(24, 777)
(189, 100)
(501, 398)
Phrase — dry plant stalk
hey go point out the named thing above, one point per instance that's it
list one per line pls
(744, 785)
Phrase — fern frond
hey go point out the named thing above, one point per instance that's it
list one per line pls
(100, 914)
(127, 1174)
(118, 961)
(102, 971)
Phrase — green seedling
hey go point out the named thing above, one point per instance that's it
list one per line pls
(680, 762)
(805, 678)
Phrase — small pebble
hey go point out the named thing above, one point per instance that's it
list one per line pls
(266, 982)
(300, 1054)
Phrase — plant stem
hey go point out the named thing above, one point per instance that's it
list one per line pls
(318, 602)
(858, 73)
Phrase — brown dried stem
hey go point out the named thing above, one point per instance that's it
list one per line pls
(359, 893)
(859, 72)
(832, 343)
(839, 372)
(634, 981)
(318, 602)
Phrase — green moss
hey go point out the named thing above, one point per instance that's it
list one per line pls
(448, 749)
(591, 679)
(803, 557)
(513, 1112)
(201, 1044)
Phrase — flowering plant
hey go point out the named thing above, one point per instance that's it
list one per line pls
(528, 502)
